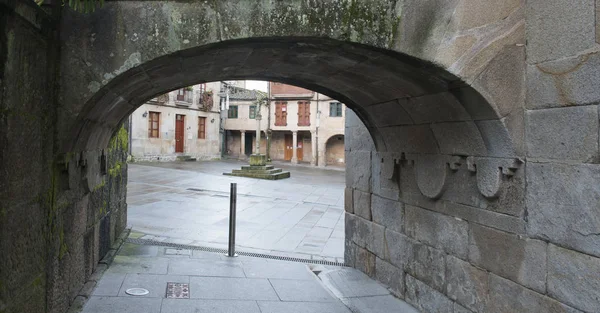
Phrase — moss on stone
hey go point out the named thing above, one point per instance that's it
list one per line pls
(120, 138)
(116, 169)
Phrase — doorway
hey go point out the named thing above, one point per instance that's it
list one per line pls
(248, 143)
(289, 148)
(288, 141)
(179, 132)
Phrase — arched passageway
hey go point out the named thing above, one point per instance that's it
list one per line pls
(334, 150)
(462, 192)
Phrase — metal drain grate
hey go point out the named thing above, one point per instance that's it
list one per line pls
(149, 242)
(178, 291)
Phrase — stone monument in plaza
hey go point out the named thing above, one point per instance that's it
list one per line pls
(258, 167)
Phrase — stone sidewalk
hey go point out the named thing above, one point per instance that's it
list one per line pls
(188, 203)
(219, 284)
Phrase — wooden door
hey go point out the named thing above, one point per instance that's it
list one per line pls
(299, 150)
(289, 148)
(179, 132)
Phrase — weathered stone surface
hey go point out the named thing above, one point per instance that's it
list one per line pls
(562, 202)
(509, 256)
(349, 252)
(410, 139)
(428, 265)
(390, 113)
(460, 309)
(563, 133)
(466, 284)
(564, 82)
(384, 175)
(425, 298)
(423, 25)
(462, 138)
(476, 13)
(348, 200)
(376, 240)
(362, 204)
(573, 278)
(503, 80)
(440, 231)
(507, 296)
(357, 229)
(391, 276)
(575, 20)
(360, 177)
(357, 138)
(442, 107)
(400, 249)
(504, 137)
(387, 212)
(365, 261)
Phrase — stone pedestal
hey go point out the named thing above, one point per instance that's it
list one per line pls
(258, 160)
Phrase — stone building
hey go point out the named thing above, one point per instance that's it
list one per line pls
(183, 124)
(303, 125)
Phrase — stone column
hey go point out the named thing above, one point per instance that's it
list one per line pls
(313, 144)
(242, 143)
(294, 147)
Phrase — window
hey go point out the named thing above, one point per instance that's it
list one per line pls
(232, 112)
(280, 113)
(303, 113)
(335, 109)
(153, 122)
(201, 127)
(252, 114)
(184, 95)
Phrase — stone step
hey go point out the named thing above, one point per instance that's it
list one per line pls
(257, 168)
(271, 171)
(275, 176)
(185, 158)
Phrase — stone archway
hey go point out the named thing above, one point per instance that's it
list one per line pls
(440, 205)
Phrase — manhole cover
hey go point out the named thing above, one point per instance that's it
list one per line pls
(178, 290)
(137, 291)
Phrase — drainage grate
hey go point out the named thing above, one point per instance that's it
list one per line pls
(178, 291)
(149, 242)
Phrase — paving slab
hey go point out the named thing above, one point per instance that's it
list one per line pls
(379, 304)
(109, 284)
(122, 305)
(221, 288)
(212, 306)
(283, 270)
(128, 264)
(301, 290)
(205, 268)
(302, 307)
(345, 283)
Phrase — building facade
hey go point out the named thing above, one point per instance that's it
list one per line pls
(298, 125)
(183, 123)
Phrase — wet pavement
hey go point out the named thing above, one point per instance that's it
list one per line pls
(188, 203)
(211, 282)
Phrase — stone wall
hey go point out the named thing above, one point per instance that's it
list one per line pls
(461, 236)
(55, 224)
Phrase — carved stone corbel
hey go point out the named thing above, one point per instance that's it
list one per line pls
(490, 172)
(432, 171)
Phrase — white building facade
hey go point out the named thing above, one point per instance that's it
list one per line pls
(183, 123)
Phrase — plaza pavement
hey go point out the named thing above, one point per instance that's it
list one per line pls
(188, 203)
(219, 284)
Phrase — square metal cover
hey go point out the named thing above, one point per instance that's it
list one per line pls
(178, 291)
